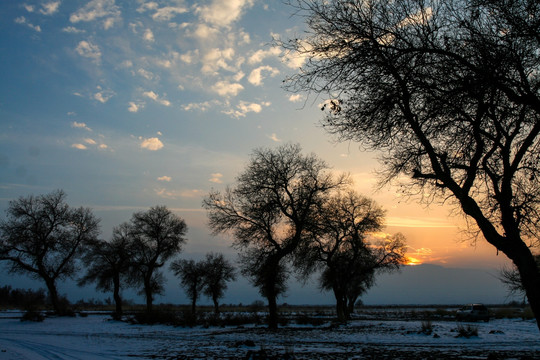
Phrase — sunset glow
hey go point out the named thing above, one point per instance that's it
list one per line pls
(126, 105)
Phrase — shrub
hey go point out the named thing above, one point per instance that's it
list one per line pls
(155, 317)
(427, 327)
(467, 331)
(304, 319)
(33, 315)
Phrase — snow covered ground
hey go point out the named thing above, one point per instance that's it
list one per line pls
(99, 337)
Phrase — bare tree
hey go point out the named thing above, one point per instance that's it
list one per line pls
(108, 264)
(218, 271)
(42, 236)
(192, 278)
(158, 235)
(344, 247)
(269, 211)
(450, 92)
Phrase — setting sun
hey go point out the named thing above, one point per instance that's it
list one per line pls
(412, 261)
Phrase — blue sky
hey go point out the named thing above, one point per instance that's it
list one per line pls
(130, 104)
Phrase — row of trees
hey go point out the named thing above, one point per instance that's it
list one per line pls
(287, 212)
(48, 240)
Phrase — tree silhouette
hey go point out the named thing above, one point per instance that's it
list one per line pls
(449, 91)
(269, 211)
(108, 264)
(43, 237)
(192, 275)
(217, 272)
(346, 250)
(157, 236)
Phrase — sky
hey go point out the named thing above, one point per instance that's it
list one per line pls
(130, 104)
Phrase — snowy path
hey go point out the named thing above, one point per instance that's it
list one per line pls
(97, 337)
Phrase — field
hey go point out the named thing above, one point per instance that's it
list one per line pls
(375, 333)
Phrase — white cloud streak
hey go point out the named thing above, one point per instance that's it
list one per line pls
(152, 144)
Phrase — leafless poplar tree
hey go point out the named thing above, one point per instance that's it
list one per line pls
(43, 237)
(449, 91)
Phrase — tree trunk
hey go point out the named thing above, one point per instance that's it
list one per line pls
(530, 279)
(117, 297)
(53, 296)
(350, 306)
(216, 304)
(340, 305)
(148, 294)
(194, 304)
(272, 311)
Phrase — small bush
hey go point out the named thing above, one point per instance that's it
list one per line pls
(304, 319)
(527, 314)
(427, 328)
(155, 317)
(33, 315)
(467, 331)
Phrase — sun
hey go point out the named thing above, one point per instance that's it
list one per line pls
(412, 261)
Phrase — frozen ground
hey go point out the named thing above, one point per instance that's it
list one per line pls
(98, 337)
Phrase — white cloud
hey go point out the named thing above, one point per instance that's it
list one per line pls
(274, 137)
(152, 144)
(173, 194)
(203, 106)
(225, 88)
(148, 35)
(109, 23)
(216, 59)
(244, 107)
(79, 146)
(29, 8)
(103, 146)
(259, 55)
(189, 57)
(152, 95)
(295, 98)
(164, 178)
(135, 107)
(90, 141)
(256, 77)
(216, 178)
(22, 20)
(73, 30)
(167, 13)
(223, 13)
(88, 50)
(205, 32)
(151, 5)
(148, 75)
(50, 8)
(80, 126)
(97, 9)
(103, 95)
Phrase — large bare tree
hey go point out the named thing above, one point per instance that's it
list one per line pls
(346, 250)
(157, 235)
(269, 211)
(108, 264)
(43, 236)
(449, 91)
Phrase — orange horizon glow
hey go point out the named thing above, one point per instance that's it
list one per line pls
(413, 261)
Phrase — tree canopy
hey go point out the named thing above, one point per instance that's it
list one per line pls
(449, 91)
(43, 236)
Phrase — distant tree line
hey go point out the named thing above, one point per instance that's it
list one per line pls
(26, 298)
(288, 212)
